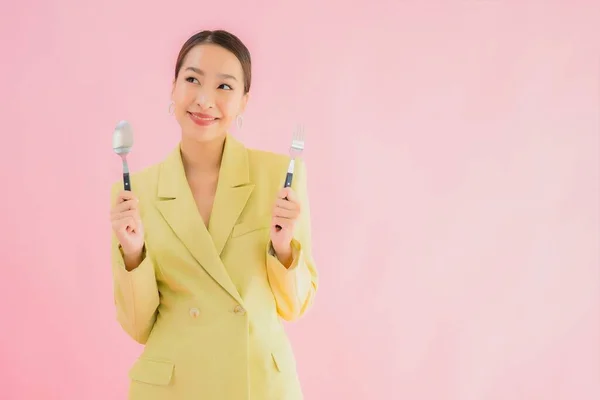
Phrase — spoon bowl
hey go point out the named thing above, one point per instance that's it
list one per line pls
(122, 142)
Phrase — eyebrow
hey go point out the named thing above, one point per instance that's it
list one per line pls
(200, 72)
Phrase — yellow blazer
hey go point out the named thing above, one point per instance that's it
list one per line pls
(208, 303)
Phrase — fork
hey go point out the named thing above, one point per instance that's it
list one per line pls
(295, 151)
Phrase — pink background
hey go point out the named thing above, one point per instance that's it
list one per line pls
(453, 159)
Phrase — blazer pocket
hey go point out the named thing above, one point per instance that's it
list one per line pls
(153, 372)
(251, 225)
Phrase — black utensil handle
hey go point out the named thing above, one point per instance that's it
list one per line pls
(126, 181)
(288, 183)
(288, 179)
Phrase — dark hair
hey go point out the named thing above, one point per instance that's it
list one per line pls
(224, 39)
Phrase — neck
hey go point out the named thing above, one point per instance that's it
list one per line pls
(202, 157)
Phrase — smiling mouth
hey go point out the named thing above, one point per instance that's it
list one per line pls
(202, 119)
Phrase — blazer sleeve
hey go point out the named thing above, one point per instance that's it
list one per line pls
(135, 292)
(295, 287)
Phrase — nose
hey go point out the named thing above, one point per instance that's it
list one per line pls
(204, 100)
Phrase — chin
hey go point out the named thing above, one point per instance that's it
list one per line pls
(204, 134)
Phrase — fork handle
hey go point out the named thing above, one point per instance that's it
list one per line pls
(288, 183)
(290, 173)
(288, 179)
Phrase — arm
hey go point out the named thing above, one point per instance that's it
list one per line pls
(135, 292)
(295, 287)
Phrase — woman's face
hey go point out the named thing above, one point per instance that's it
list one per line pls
(208, 93)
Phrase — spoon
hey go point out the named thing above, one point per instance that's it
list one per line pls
(122, 142)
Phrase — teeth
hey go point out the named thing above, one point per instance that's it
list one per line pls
(203, 118)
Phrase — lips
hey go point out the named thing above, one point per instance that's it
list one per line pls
(202, 119)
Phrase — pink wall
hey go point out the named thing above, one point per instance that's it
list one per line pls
(460, 143)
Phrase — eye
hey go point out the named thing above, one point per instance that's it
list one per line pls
(225, 86)
(191, 79)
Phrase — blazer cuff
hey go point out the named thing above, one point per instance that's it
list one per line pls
(143, 273)
(297, 257)
(291, 286)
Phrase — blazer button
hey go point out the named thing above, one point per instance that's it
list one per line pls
(239, 310)
(194, 312)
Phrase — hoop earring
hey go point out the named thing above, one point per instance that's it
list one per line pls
(172, 108)
(239, 121)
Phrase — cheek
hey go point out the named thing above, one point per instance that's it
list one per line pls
(184, 96)
(183, 99)
(229, 107)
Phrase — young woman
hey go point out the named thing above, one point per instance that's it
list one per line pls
(210, 253)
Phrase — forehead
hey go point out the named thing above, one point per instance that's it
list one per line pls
(213, 59)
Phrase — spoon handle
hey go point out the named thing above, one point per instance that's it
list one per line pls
(126, 181)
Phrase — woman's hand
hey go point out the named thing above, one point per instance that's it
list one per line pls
(127, 225)
(283, 223)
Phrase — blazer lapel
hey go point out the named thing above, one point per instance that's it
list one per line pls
(233, 191)
(177, 205)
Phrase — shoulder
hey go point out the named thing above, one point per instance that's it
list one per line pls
(266, 160)
(269, 169)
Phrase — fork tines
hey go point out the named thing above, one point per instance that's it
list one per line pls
(297, 141)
